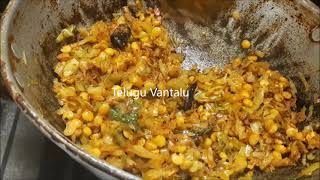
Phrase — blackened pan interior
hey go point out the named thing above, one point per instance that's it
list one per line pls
(203, 30)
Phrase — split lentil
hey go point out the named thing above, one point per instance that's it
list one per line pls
(241, 115)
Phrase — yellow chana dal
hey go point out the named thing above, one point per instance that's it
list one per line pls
(241, 117)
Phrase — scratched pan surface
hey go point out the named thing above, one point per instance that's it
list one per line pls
(202, 30)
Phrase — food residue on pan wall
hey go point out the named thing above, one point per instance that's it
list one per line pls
(233, 120)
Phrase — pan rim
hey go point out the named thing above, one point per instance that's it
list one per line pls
(39, 121)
